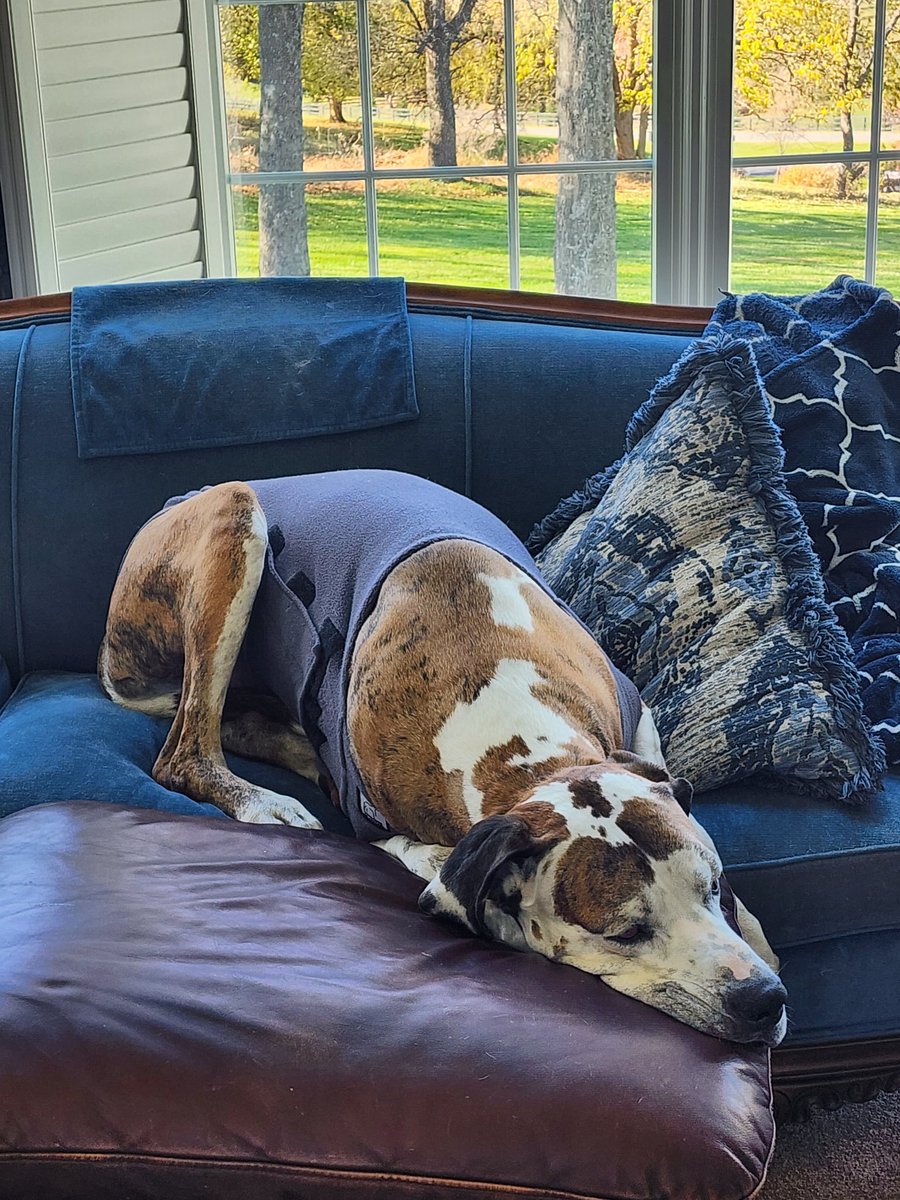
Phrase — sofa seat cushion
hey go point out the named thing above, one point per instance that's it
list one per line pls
(193, 1007)
(61, 738)
(809, 870)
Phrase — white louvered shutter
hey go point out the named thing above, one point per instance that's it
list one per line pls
(114, 108)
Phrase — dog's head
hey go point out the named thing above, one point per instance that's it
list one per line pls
(603, 868)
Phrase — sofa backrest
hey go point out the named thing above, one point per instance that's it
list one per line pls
(515, 412)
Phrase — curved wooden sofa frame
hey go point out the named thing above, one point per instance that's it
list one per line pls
(804, 1077)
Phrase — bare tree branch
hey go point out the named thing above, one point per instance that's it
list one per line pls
(407, 4)
(867, 66)
(461, 18)
(850, 45)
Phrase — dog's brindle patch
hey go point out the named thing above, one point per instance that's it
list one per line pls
(159, 604)
(587, 793)
(653, 827)
(498, 779)
(596, 880)
(560, 948)
(660, 827)
(399, 699)
(547, 824)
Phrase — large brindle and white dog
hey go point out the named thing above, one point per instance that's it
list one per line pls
(394, 640)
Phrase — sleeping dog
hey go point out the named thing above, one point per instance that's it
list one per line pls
(395, 641)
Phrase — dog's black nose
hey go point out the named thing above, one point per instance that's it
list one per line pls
(758, 1002)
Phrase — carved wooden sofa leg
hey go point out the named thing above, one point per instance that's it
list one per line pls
(828, 1077)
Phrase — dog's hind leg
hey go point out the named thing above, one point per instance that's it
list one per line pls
(258, 726)
(229, 547)
(180, 609)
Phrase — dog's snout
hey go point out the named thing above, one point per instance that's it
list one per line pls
(757, 1001)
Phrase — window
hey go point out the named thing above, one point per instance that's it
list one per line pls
(816, 184)
(642, 149)
(511, 142)
(498, 143)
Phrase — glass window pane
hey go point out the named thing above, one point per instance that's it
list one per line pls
(887, 270)
(309, 116)
(803, 76)
(586, 234)
(300, 229)
(437, 82)
(445, 231)
(890, 116)
(795, 228)
(585, 95)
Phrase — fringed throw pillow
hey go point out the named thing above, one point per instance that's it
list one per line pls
(689, 562)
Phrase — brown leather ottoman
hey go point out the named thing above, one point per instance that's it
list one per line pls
(195, 1008)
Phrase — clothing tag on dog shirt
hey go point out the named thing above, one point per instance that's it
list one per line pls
(371, 813)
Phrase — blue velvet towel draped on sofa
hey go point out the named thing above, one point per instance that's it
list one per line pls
(176, 366)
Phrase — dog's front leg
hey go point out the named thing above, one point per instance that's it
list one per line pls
(754, 936)
(751, 929)
(424, 861)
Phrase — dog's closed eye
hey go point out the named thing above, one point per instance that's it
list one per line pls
(639, 932)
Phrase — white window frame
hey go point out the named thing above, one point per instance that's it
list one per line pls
(693, 201)
(692, 105)
(210, 141)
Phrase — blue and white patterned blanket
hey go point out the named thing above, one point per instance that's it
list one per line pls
(830, 363)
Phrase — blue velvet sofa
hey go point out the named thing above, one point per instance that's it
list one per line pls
(520, 400)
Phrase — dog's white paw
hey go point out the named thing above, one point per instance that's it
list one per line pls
(424, 861)
(269, 808)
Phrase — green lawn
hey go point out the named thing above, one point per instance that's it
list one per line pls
(457, 233)
(809, 144)
(447, 233)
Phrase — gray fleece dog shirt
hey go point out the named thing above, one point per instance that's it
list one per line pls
(333, 539)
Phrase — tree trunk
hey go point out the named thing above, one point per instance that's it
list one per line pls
(643, 129)
(439, 93)
(283, 248)
(625, 134)
(624, 120)
(849, 172)
(584, 256)
(336, 107)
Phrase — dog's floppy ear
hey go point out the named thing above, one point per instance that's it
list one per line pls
(682, 790)
(474, 873)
